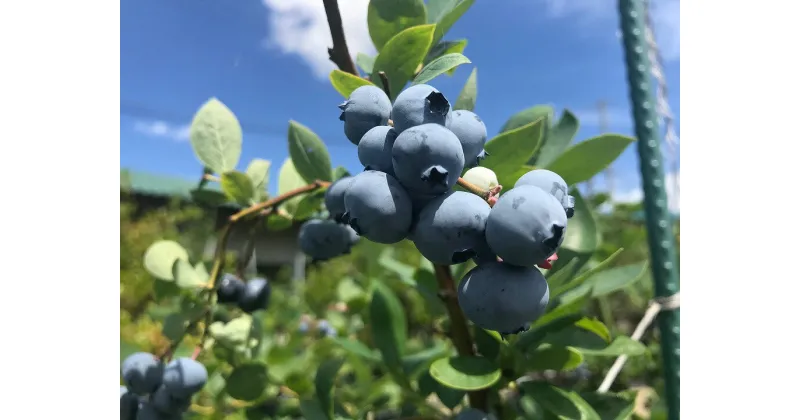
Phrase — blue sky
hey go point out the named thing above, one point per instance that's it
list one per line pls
(267, 60)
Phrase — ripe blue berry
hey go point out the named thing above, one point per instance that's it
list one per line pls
(375, 149)
(552, 183)
(167, 403)
(417, 105)
(526, 226)
(324, 239)
(142, 373)
(450, 229)
(230, 289)
(378, 207)
(334, 197)
(471, 132)
(255, 296)
(367, 107)
(184, 377)
(128, 404)
(502, 297)
(427, 159)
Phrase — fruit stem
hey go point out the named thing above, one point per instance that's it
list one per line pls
(339, 53)
(385, 83)
(459, 332)
(488, 195)
(272, 202)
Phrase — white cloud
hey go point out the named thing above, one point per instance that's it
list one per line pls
(590, 13)
(157, 128)
(299, 27)
(635, 195)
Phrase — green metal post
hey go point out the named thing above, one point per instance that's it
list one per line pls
(659, 223)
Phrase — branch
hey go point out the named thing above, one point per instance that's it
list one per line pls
(339, 54)
(385, 83)
(278, 200)
(459, 332)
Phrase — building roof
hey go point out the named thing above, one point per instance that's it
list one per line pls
(158, 185)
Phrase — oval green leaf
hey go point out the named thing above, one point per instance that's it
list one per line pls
(512, 149)
(558, 139)
(413, 364)
(288, 180)
(216, 136)
(308, 153)
(258, 172)
(277, 222)
(345, 83)
(563, 404)
(174, 327)
(357, 348)
(440, 65)
(548, 357)
(468, 373)
(621, 345)
(365, 62)
(445, 47)
(576, 281)
(310, 204)
(582, 236)
(534, 336)
(387, 18)
(588, 158)
(527, 116)
(208, 197)
(388, 325)
(608, 281)
(247, 381)
(323, 383)
(400, 56)
(238, 187)
(186, 277)
(610, 406)
(160, 257)
(469, 93)
(445, 13)
(340, 172)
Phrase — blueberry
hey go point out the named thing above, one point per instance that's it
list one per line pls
(324, 239)
(230, 289)
(502, 297)
(352, 236)
(184, 377)
(147, 411)
(255, 296)
(526, 226)
(375, 149)
(142, 373)
(366, 108)
(427, 159)
(552, 183)
(471, 132)
(128, 404)
(417, 105)
(450, 229)
(167, 403)
(378, 207)
(334, 197)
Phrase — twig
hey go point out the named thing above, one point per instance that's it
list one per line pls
(277, 200)
(339, 54)
(385, 83)
(459, 332)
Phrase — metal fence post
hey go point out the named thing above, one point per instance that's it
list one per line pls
(659, 222)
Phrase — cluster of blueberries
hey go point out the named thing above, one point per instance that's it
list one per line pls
(414, 152)
(153, 391)
(323, 327)
(249, 296)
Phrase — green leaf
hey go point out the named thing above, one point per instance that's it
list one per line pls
(608, 281)
(610, 406)
(216, 137)
(311, 410)
(400, 56)
(469, 93)
(288, 180)
(235, 332)
(468, 373)
(388, 324)
(558, 139)
(208, 197)
(387, 18)
(415, 363)
(126, 349)
(201, 271)
(174, 326)
(309, 205)
(589, 341)
(445, 47)
(324, 381)
(564, 404)
(448, 396)
(345, 83)
(535, 335)
(440, 65)
(339, 173)
(488, 345)
(556, 289)
(404, 272)
(562, 308)
(160, 257)
(582, 234)
(512, 149)
(596, 327)
(186, 277)
(277, 222)
(548, 357)
(588, 158)
(365, 62)
(308, 153)
(258, 172)
(445, 13)
(357, 348)
(527, 116)
(238, 187)
(248, 381)
(621, 345)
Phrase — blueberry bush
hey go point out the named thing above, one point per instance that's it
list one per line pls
(453, 274)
